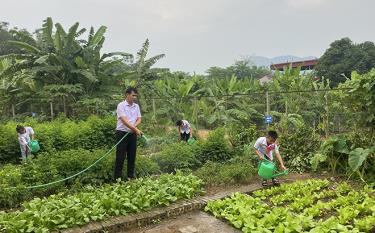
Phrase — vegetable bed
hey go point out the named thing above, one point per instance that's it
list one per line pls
(303, 206)
(59, 212)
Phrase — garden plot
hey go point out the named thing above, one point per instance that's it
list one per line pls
(303, 206)
(95, 204)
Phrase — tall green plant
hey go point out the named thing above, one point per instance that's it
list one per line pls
(334, 151)
(59, 57)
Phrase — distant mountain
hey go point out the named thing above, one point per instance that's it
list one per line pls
(265, 61)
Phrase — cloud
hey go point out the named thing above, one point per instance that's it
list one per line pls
(197, 34)
(305, 3)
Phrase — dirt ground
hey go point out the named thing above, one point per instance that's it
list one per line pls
(193, 222)
(203, 133)
(288, 178)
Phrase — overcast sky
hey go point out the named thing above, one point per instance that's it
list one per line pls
(197, 34)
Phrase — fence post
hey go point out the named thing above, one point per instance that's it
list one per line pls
(196, 112)
(327, 117)
(286, 108)
(314, 123)
(153, 109)
(13, 111)
(51, 108)
(267, 108)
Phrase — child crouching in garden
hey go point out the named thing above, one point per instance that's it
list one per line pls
(266, 147)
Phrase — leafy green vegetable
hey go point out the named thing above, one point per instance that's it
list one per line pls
(58, 211)
(303, 206)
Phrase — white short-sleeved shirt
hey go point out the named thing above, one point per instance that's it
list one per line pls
(24, 138)
(261, 146)
(131, 112)
(185, 127)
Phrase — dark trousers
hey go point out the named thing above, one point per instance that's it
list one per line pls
(185, 137)
(127, 148)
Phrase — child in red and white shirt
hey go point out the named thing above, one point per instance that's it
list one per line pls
(266, 147)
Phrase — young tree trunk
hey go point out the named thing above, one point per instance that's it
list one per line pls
(267, 108)
(286, 108)
(64, 105)
(51, 107)
(327, 116)
(13, 111)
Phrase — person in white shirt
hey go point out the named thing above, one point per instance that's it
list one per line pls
(265, 148)
(184, 130)
(128, 119)
(25, 134)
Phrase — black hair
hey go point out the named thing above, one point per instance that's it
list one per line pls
(20, 129)
(129, 90)
(179, 123)
(273, 134)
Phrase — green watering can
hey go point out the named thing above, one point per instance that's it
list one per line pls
(144, 140)
(191, 141)
(267, 170)
(34, 146)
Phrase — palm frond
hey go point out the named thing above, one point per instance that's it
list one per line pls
(60, 29)
(71, 35)
(47, 31)
(151, 61)
(80, 32)
(123, 54)
(142, 53)
(25, 46)
(58, 42)
(17, 67)
(14, 56)
(98, 36)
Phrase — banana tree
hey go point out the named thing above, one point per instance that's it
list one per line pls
(141, 69)
(287, 95)
(360, 99)
(226, 105)
(59, 57)
(15, 90)
(177, 102)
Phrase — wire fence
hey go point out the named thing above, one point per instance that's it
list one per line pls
(319, 109)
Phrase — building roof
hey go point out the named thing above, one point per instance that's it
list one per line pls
(265, 79)
(294, 64)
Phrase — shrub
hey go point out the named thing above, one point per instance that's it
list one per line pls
(238, 170)
(298, 147)
(58, 135)
(156, 143)
(340, 153)
(177, 156)
(10, 176)
(9, 146)
(363, 138)
(215, 148)
(240, 136)
(48, 168)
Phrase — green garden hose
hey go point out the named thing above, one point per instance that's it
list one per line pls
(77, 174)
